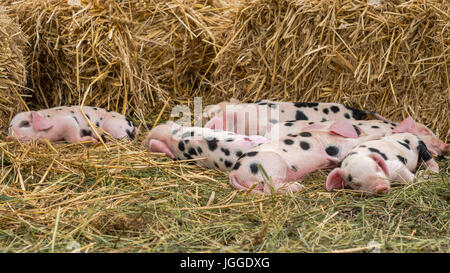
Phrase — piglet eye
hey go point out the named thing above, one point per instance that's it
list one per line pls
(24, 124)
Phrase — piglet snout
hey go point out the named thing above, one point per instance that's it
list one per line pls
(382, 189)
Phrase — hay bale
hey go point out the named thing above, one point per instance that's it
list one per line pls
(391, 58)
(125, 55)
(12, 69)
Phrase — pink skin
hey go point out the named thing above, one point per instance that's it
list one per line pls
(369, 172)
(67, 123)
(287, 163)
(434, 144)
(212, 148)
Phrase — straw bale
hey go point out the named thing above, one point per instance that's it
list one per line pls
(391, 57)
(124, 55)
(12, 69)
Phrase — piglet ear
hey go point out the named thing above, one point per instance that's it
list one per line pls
(406, 126)
(343, 128)
(335, 179)
(381, 163)
(39, 122)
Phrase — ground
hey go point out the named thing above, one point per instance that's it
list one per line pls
(74, 197)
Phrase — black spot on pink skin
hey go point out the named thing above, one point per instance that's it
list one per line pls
(325, 111)
(175, 131)
(229, 139)
(199, 150)
(404, 145)
(239, 153)
(272, 105)
(323, 120)
(350, 178)
(294, 168)
(225, 151)
(187, 156)
(316, 109)
(305, 134)
(221, 159)
(375, 150)
(375, 127)
(332, 150)
(72, 112)
(254, 168)
(252, 154)
(402, 159)
(288, 141)
(237, 165)
(212, 143)
(289, 124)
(284, 150)
(305, 145)
(89, 118)
(299, 115)
(181, 146)
(228, 164)
(424, 154)
(97, 124)
(347, 116)
(291, 135)
(273, 121)
(215, 164)
(131, 134)
(192, 151)
(334, 109)
(85, 132)
(358, 132)
(406, 141)
(311, 122)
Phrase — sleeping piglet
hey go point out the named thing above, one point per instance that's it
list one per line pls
(370, 167)
(369, 127)
(214, 148)
(257, 118)
(277, 166)
(67, 123)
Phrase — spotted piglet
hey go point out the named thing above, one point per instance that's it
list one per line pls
(277, 166)
(214, 148)
(68, 124)
(258, 118)
(370, 167)
(370, 127)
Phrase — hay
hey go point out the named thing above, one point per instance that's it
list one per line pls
(12, 69)
(126, 55)
(392, 58)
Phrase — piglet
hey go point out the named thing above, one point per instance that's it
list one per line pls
(370, 167)
(214, 148)
(258, 118)
(277, 166)
(67, 123)
(367, 127)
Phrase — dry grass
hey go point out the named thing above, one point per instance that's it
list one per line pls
(127, 200)
(131, 57)
(126, 55)
(12, 69)
(393, 59)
